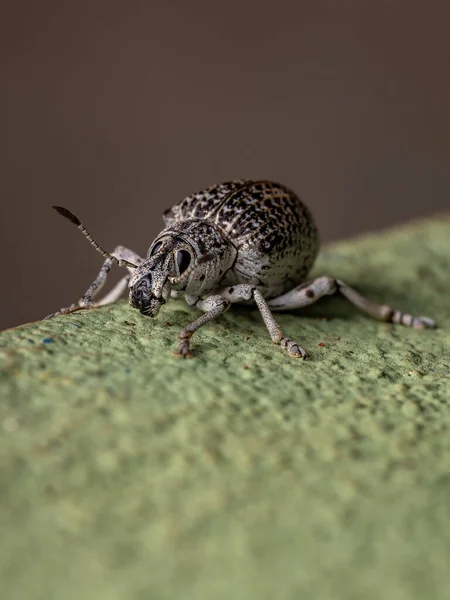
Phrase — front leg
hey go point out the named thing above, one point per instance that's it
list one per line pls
(87, 300)
(218, 304)
(213, 307)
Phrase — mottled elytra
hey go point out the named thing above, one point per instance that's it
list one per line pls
(239, 241)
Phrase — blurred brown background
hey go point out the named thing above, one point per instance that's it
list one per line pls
(119, 109)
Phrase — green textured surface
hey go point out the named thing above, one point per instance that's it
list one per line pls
(127, 473)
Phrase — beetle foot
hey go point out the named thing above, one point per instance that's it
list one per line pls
(397, 316)
(183, 349)
(69, 309)
(293, 348)
(424, 323)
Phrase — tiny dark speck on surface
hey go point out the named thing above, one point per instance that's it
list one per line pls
(48, 340)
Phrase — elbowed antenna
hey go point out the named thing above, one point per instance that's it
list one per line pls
(76, 221)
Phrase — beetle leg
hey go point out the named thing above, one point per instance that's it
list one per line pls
(213, 306)
(308, 293)
(217, 304)
(87, 301)
(240, 292)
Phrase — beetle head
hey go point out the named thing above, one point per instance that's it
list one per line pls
(170, 263)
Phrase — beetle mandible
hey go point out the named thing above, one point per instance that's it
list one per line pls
(239, 241)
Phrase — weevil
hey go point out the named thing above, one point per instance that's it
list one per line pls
(239, 241)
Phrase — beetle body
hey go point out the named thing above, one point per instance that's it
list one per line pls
(260, 233)
(240, 241)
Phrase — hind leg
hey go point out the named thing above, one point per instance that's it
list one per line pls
(308, 293)
(87, 300)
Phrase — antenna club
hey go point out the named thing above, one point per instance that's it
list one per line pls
(64, 212)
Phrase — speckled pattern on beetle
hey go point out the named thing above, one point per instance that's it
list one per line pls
(240, 241)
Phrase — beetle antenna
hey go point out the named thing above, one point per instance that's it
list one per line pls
(203, 259)
(76, 221)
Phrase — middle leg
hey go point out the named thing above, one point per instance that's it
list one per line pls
(241, 292)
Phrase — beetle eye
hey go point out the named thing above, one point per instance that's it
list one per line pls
(183, 260)
(156, 248)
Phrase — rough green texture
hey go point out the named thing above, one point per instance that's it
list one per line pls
(127, 473)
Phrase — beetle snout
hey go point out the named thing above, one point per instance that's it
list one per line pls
(144, 300)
